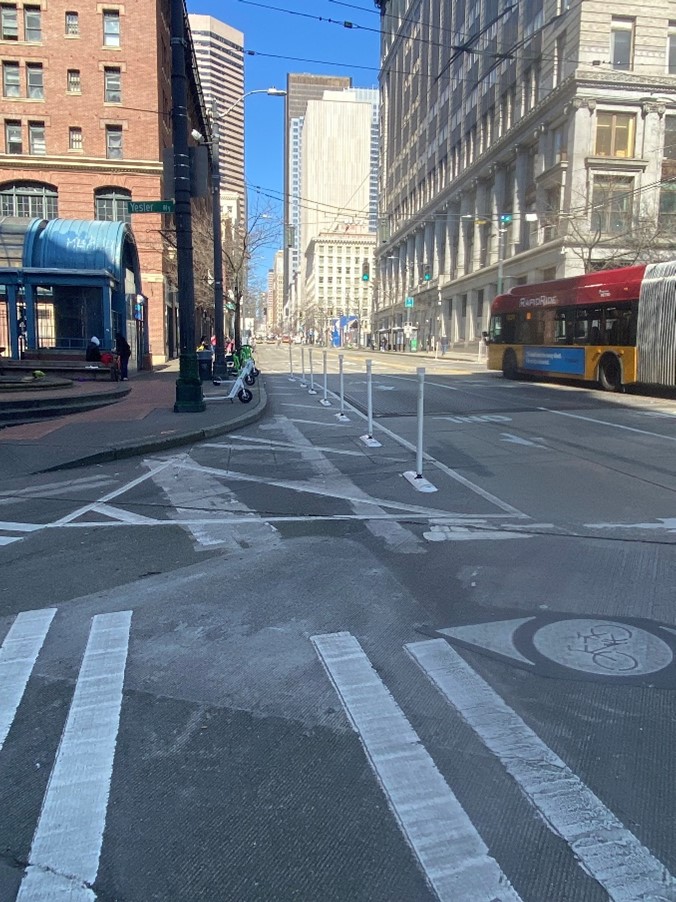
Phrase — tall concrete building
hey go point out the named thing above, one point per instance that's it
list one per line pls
(300, 88)
(336, 189)
(219, 49)
(541, 147)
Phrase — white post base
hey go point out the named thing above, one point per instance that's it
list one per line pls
(419, 483)
(370, 442)
(325, 402)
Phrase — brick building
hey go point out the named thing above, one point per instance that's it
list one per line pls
(86, 119)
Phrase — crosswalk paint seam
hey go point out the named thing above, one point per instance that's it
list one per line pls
(614, 857)
(435, 825)
(69, 834)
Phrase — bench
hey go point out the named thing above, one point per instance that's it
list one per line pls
(68, 362)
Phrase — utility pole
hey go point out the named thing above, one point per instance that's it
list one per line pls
(219, 350)
(189, 396)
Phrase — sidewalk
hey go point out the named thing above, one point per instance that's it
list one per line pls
(141, 422)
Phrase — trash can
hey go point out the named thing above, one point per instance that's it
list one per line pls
(204, 364)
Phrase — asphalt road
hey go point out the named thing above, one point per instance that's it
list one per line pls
(269, 667)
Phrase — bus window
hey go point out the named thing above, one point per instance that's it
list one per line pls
(581, 326)
(564, 326)
(495, 329)
(620, 325)
(525, 333)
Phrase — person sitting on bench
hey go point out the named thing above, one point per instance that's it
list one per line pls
(93, 351)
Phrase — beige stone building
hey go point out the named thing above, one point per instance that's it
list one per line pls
(540, 145)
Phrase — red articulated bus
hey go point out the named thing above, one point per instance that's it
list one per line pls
(614, 327)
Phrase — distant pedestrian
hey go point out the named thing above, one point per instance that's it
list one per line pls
(444, 346)
(123, 351)
(93, 350)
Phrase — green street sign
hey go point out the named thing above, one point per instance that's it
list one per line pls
(150, 206)
(408, 302)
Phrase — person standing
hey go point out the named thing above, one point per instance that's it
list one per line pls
(123, 351)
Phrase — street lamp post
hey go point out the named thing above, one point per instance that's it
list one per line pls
(219, 350)
(189, 396)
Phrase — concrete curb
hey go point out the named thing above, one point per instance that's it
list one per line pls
(146, 446)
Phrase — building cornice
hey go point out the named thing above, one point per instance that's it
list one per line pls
(32, 164)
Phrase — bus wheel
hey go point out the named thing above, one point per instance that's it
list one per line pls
(610, 373)
(509, 368)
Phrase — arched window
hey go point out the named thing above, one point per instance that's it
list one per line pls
(111, 204)
(29, 199)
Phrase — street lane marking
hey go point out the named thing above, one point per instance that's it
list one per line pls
(575, 416)
(245, 443)
(64, 857)
(607, 851)
(18, 655)
(452, 854)
(452, 474)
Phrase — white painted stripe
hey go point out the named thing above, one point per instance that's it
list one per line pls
(452, 474)
(11, 526)
(57, 488)
(8, 540)
(127, 487)
(18, 655)
(316, 422)
(575, 416)
(264, 444)
(453, 856)
(67, 841)
(607, 851)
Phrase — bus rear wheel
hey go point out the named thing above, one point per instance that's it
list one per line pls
(610, 373)
(509, 368)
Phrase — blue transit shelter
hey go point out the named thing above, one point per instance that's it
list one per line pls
(64, 280)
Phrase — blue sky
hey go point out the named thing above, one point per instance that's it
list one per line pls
(292, 36)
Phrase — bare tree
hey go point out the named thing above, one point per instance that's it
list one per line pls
(242, 245)
(615, 227)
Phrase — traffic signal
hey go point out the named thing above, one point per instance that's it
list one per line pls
(365, 271)
(505, 218)
(427, 273)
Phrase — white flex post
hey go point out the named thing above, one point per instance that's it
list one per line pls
(303, 383)
(312, 390)
(415, 477)
(292, 378)
(325, 400)
(342, 416)
(368, 439)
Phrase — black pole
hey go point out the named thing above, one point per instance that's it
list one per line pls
(219, 350)
(189, 396)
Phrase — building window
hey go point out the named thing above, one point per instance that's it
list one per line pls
(72, 24)
(11, 84)
(13, 142)
(75, 138)
(32, 23)
(111, 28)
(612, 199)
(112, 204)
(621, 43)
(114, 142)
(615, 134)
(35, 86)
(9, 23)
(671, 49)
(32, 200)
(36, 137)
(112, 86)
(73, 81)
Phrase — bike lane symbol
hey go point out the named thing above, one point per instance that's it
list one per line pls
(631, 650)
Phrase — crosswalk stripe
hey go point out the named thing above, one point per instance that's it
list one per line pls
(17, 658)
(453, 856)
(64, 857)
(609, 852)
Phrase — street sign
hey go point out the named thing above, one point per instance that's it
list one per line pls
(408, 302)
(150, 206)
